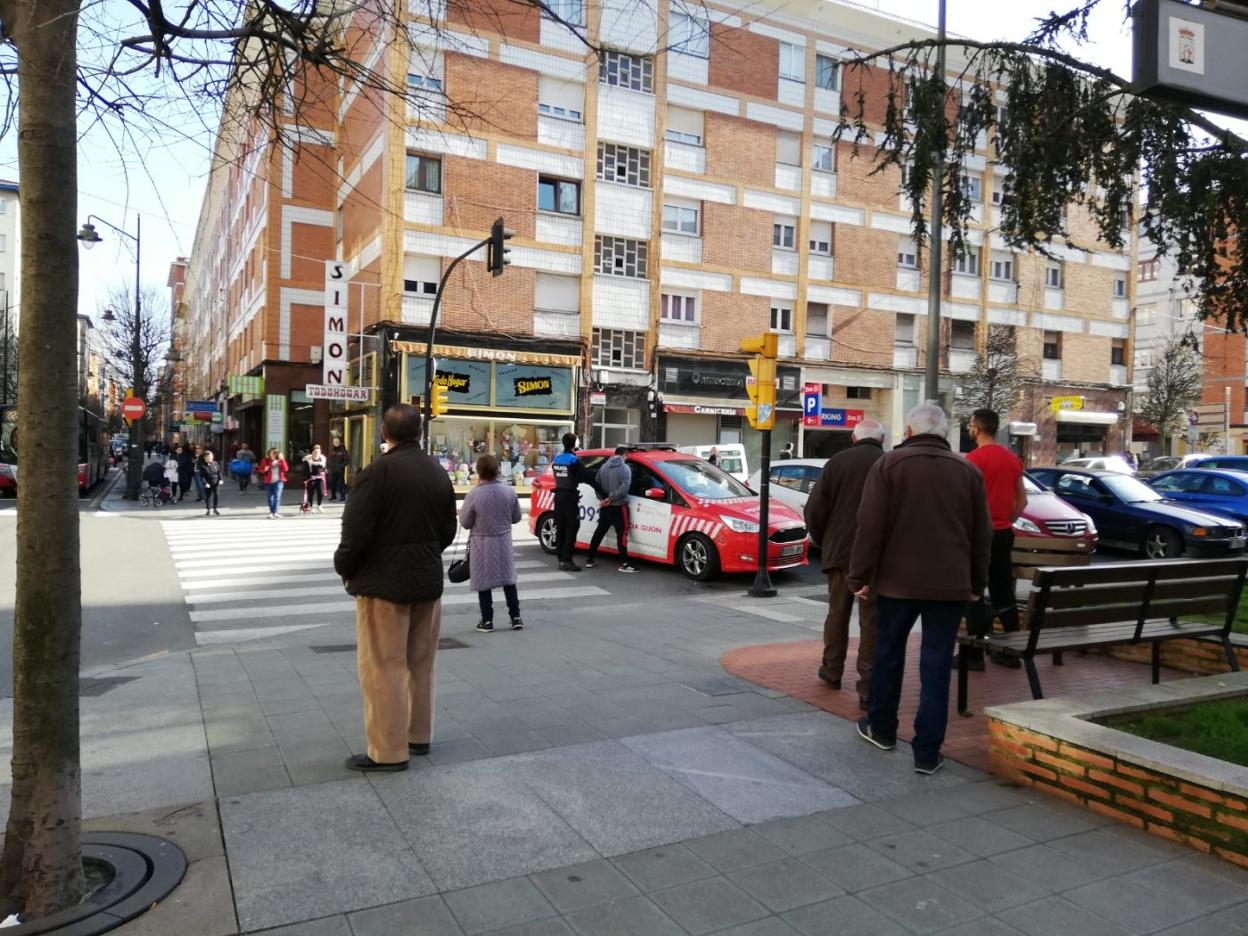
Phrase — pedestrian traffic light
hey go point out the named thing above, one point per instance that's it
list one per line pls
(441, 402)
(761, 384)
(497, 252)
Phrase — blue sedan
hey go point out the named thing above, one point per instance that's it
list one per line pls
(1131, 515)
(1224, 492)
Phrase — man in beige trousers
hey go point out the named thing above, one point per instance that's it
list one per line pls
(398, 521)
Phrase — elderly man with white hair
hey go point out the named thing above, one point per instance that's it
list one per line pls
(832, 518)
(924, 536)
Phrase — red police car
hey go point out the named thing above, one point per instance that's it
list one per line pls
(682, 511)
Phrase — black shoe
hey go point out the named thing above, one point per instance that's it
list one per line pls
(865, 732)
(215, 512)
(827, 678)
(420, 750)
(589, 563)
(1007, 661)
(366, 764)
(485, 627)
(569, 567)
(517, 624)
(974, 664)
(930, 767)
(627, 567)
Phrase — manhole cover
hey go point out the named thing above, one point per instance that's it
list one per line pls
(450, 643)
(98, 685)
(718, 686)
(333, 648)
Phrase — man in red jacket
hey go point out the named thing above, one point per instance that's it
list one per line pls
(922, 548)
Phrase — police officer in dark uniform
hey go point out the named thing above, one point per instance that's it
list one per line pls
(569, 474)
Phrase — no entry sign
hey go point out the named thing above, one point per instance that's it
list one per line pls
(133, 408)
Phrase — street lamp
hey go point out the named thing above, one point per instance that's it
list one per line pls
(90, 237)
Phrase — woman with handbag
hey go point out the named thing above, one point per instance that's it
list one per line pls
(273, 474)
(488, 513)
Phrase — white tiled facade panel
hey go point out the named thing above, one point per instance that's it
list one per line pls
(697, 189)
(420, 208)
(685, 337)
(521, 157)
(558, 229)
(792, 92)
(784, 262)
(557, 36)
(684, 158)
(695, 279)
(703, 100)
(417, 310)
(623, 210)
(691, 68)
(556, 66)
(788, 177)
(823, 184)
(827, 101)
(551, 131)
(965, 287)
(682, 248)
(556, 293)
(820, 268)
(629, 26)
(621, 302)
(556, 325)
(625, 116)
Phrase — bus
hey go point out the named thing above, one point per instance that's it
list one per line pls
(92, 450)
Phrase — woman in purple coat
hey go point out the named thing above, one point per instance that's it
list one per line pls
(488, 513)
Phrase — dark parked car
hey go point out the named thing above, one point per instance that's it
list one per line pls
(1224, 492)
(1131, 515)
(1233, 462)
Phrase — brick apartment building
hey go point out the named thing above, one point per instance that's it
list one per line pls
(665, 205)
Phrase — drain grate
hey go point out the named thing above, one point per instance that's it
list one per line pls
(98, 685)
(718, 686)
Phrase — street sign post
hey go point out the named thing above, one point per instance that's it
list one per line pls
(133, 408)
(760, 386)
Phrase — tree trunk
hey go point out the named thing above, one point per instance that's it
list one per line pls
(41, 867)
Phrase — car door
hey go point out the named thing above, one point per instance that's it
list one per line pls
(1223, 495)
(1085, 493)
(649, 520)
(588, 497)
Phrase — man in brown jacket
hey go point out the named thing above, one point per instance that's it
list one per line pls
(924, 536)
(400, 518)
(832, 518)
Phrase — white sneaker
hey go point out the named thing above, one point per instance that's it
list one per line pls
(320, 509)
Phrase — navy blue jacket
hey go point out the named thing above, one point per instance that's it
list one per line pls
(569, 474)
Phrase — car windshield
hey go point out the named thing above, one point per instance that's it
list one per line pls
(1031, 487)
(1129, 489)
(702, 480)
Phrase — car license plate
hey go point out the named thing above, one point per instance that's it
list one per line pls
(1237, 542)
(795, 550)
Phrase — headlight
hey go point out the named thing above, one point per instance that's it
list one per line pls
(741, 526)
(1023, 525)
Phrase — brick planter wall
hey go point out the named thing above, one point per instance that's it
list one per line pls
(1198, 816)
(1189, 656)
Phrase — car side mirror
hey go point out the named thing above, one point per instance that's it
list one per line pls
(655, 493)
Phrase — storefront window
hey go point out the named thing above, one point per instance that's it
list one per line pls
(300, 426)
(613, 426)
(524, 449)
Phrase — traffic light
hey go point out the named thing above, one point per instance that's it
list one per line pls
(761, 385)
(496, 254)
(441, 402)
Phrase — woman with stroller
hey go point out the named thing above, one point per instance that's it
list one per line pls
(273, 472)
(315, 465)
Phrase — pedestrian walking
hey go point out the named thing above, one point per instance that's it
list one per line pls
(339, 460)
(400, 519)
(569, 474)
(315, 467)
(273, 474)
(196, 461)
(210, 474)
(243, 471)
(922, 548)
(1007, 499)
(614, 479)
(186, 469)
(488, 513)
(832, 518)
(171, 475)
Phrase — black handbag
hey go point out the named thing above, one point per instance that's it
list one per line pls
(457, 572)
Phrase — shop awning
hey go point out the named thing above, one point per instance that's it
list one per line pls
(1086, 417)
(1143, 430)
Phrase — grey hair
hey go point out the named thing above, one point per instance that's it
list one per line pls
(927, 419)
(869, 429)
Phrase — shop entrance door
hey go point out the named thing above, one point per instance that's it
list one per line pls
(358, 438)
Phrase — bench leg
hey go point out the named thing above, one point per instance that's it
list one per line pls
(1231, 659)
(1156, 661)
(1033, 677)
(962, 680)
(1057, 659)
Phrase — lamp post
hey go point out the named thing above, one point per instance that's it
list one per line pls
(90, 237)
(935, 279)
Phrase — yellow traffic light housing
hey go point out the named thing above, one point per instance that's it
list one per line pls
(761, 384)
(767, 345)
(440, 400)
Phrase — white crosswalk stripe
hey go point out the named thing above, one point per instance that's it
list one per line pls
(250, 579)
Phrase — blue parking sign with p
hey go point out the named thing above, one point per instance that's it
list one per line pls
(812, 403)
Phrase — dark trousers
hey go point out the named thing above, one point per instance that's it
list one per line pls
(567, 522)
(210, 496)
(836, 631)
(895, 619)
(485, 599)
(315, 488)
(184, 484)
(338, 485)
(1004, 601)
(608, 518)
(243, 481)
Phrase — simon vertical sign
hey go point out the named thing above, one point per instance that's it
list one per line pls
(334, 346)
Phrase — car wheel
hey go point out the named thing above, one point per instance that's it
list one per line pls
(1162, 543)
(548, 533)
(698, 557)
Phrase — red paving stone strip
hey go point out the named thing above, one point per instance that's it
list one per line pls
(791, 668)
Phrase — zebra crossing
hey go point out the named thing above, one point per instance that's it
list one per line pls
(254, 578)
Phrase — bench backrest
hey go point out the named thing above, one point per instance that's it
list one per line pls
(1137, 592)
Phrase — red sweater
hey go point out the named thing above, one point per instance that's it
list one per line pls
(267, 463)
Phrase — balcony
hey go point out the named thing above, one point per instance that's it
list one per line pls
(823, 184)
(905, 356)
(558, 229)
(961, 360)
(419, 208)
(788, 345)
(1002, 291)
(1053, 298)
(684, 157)
(623, 210)
(965, 286)
(553, 131)
(684, 248)
(820, 267)
(556, 324)
(1051, 370)
(908, 279)
(788, 177)
(818, 348)
(685, 337)
(784, 262)
(1118, 375)
(417, 310)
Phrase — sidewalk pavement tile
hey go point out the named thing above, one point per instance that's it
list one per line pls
(326, 926)
(192, 827)
(456, 752)
(494, 906)
(855, 867)
(1231, 921)
(1056, 916)
(709, 905)
(984, 926)
(784, 885)
(928, 808)
(552, 927)
(864, 822)
(474, 823)
(771, 926)
(988, 886)
(801, 835)
(921, 904)
(664, 866)
(570, 733)
(202, 904)
(1043, 821)
(614, 799)
(742, 780)
(1050, 868)
(428, 916)
(636, 916)
(505, 742)
(584, 885)
(734, 849)
(339, 851)
(979, 836)
(1196, 884)
(844, 916)
(920, 851)
(1141, 906)
(1120, 850)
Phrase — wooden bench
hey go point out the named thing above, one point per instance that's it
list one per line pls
(1124, 603)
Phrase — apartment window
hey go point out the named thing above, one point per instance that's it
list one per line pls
(628, 165)
(1000, 195)
(907, 254)
(1149, 270)
(616, 347)
(422, 82)
(817, 319)
(962, 336)
(1052, 346)
(674, 307)
(782, 319)
(424, 174)
(562, 99)
(571, 12)
(554, 293)
(620, 256)
(4, 206)
(823, 158)
(1053, 277)
(1002, 267)
(562, 196)
(682, 219)
(1145, 359)
(904, 335)
(1118, 352)
(421, 275)
(635, 72)
(689, 34)
(783, 235)
(827, 73)
(789, 148)
(792, 62)
(821, 238)
(685, 126)
(1120, 287)
(967, 263)
(857, 393)
(1003, 115)
(973, 187)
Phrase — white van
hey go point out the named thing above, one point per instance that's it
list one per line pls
(730, 458)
